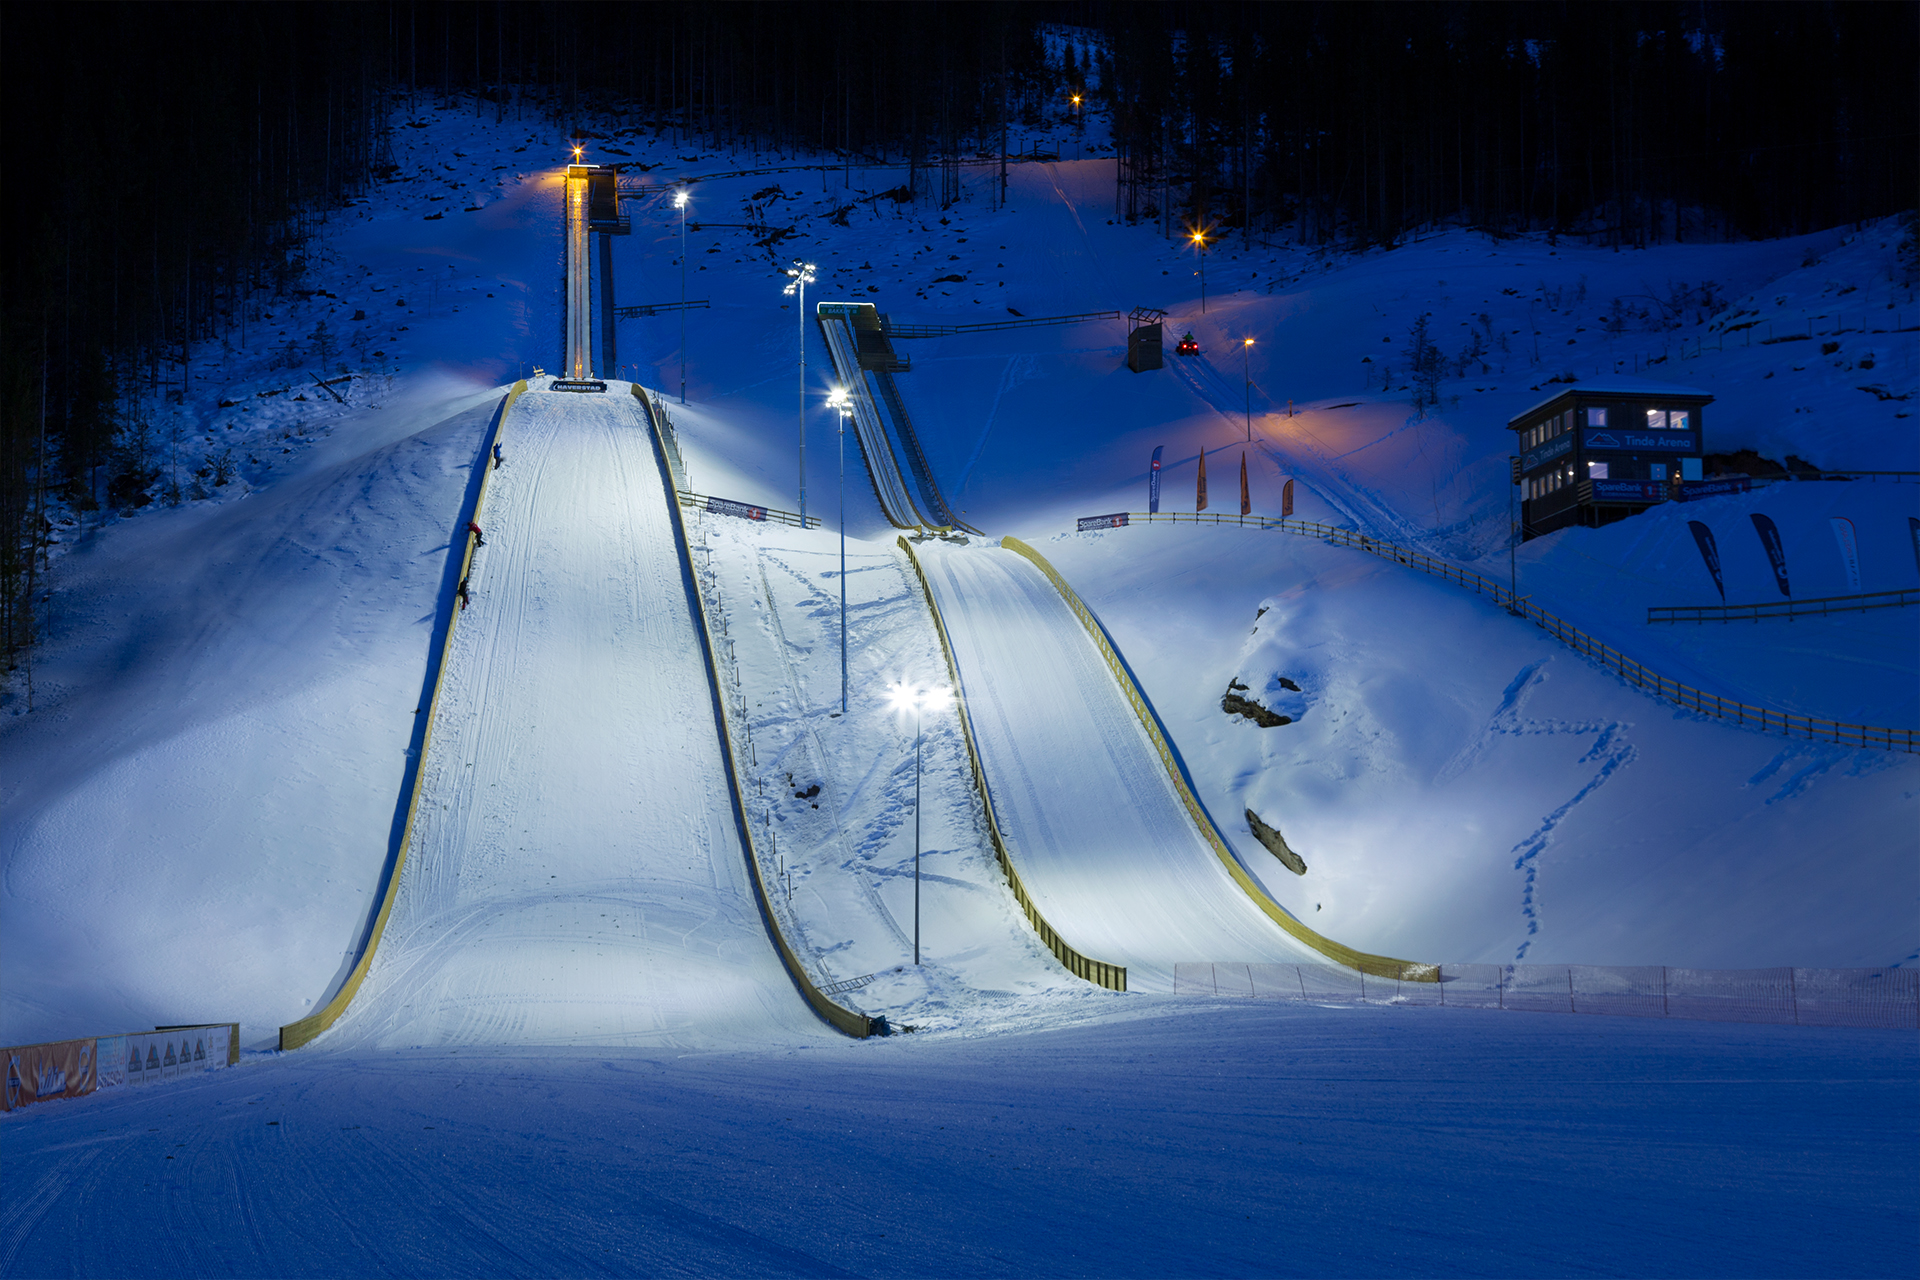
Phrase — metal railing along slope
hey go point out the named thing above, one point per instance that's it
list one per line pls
(1811, 607)
(1379, 966)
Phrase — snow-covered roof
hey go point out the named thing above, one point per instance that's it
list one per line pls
(1614, 386)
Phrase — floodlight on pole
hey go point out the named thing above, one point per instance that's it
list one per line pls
(905, 697)
(680, 203)
(838, 400)
(802, 273)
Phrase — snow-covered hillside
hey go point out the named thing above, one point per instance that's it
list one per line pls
(221, 712)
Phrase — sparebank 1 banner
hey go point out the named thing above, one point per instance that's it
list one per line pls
(1246, 503)
(37, 1072)
(1849, 549)
(1200, 487)
(1776, 552)
(1710, 552)
(1286, 502)
(1153, 482)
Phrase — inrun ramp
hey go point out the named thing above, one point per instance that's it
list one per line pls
(575, 875)
(1091, 819)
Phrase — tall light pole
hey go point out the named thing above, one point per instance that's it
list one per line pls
(1247, 347)
(1200, 241)
(838, 400)
(904, 696)
(680, 203)
(802, 273)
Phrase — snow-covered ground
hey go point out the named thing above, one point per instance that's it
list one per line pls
(195, 813)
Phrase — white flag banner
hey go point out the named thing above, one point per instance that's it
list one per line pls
(1849, 550)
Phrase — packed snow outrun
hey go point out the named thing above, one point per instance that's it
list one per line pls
(665, 696)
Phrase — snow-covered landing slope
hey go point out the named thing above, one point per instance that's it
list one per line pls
(1090, 817)
(575, 876)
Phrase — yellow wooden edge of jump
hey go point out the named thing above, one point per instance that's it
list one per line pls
(1103, 969)
(838, 1016)
(1365, 962)
(295, 1034)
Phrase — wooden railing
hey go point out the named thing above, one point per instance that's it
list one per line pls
(1099, 972)
(1765, 719)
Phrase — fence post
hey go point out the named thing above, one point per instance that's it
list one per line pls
(1665, 1010)
(1793, 996)
(1571, 1007)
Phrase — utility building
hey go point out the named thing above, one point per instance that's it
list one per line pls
(1600, 451)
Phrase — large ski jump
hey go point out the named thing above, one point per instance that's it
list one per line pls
(575, 875)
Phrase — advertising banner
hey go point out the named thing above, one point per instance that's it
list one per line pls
(1118, 520)
(1776, 552)
(1153, 482)
(1286, 509)
(1629, 490)
(1691, 489)
(1849, 549)
(1200, 488)
(727, 507)
(1639, 441)
(1246, 504)
(38, 1072)
(1710, 552)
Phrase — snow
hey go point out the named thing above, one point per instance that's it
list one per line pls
(195, 815)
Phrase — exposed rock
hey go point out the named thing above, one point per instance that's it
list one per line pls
(1235, 705)
(1276, 844)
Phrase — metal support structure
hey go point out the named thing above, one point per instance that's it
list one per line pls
(609, 358)
(579, 352)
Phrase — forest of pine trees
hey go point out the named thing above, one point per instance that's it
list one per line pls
(169, 161)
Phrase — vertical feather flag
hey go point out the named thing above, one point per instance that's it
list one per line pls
(1849, 549)
(1246, 504)
(1286, 500)
(1710, 552)
(1153, 482)
(1913, 531)
(1776, 553)
(1200, 490)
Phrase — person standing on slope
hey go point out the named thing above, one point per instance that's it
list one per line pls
(461, 591)
(479, 539)
(497, 458)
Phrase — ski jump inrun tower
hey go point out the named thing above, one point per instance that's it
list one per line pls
(592, 207)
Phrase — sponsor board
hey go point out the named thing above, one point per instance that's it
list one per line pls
(38, 1072)
(1546, 452)
(728, 507)
(1629, 490)
(1691, 489)
(1117, 520)
(1621, 438)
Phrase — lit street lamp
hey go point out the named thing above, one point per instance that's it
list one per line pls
(904, 696)
(680, 203)
(1248, 348)
(802, 273)
(838, 400)
(1200, 241)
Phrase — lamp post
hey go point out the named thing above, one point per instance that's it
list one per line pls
(680, 203)
(904, 696)
(838, 400)
(1200, 241)
(1247, 347)
(802, 273)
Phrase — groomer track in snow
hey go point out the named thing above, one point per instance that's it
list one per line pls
(575, 872)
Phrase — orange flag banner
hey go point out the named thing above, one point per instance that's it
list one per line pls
(1246, 504)
(1200, 492)
(1286, 500)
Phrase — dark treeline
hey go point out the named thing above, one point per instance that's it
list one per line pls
(180, 154)
(1629, 122)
